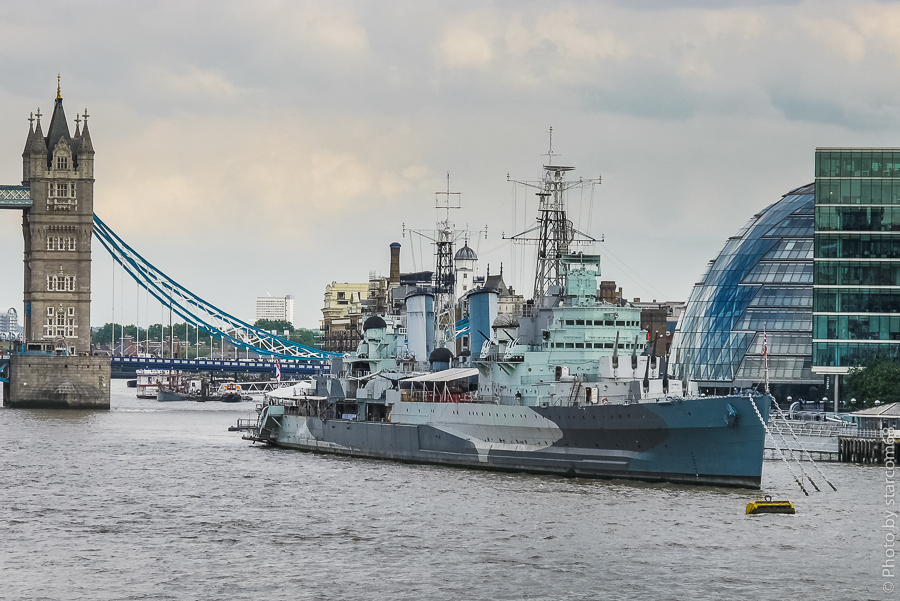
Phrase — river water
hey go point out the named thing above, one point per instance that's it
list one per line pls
(160, 501)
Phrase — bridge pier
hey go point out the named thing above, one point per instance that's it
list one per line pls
(57, 382)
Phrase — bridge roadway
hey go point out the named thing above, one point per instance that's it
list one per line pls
(248, 366)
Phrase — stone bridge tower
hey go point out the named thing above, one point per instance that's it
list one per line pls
(59, 170)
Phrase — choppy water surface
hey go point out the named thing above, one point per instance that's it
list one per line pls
(159, 501)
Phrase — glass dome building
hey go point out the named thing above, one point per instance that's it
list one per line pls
(762, 281)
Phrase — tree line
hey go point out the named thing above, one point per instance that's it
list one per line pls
(189, 333)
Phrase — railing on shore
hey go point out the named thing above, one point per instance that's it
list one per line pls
(802, 455)
(808, 428)
(867, 434)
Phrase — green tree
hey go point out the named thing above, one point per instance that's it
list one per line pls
(306, 338)
(298, 335)
(278, 325)
(878, 380)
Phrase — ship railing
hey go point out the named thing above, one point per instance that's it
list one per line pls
(289, 402)
(507, 356)
(549, 379)
(431, 396)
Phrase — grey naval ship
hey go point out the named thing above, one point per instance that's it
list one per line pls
(569, 386)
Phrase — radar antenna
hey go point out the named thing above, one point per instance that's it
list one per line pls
(553, 233)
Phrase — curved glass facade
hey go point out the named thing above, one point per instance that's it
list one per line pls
(762, 280)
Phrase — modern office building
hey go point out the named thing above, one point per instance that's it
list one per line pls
(856, 288)
(758, 290)
(275, 308)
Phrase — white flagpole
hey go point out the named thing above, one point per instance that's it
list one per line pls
(766, 356)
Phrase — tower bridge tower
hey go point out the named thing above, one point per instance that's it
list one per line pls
(59, 170)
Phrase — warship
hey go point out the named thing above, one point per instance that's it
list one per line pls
(569, 386)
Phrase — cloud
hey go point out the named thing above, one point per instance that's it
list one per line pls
(191, 82)
(322, 27)
(231, 133)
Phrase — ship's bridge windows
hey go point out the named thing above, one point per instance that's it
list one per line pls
(579, 322)
(579, 345)
(608, 323)
(620, 323)
(570, 345)
(570, 322)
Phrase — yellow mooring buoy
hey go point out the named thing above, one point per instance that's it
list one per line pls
(769, 506)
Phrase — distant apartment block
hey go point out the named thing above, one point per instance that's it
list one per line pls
(275, 308)
(9, 325)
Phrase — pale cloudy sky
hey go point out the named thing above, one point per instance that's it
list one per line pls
(266, 146)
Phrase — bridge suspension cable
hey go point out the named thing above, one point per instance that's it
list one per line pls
(195, 310)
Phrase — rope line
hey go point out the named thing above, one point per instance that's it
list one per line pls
(802, 448)
(783, 458)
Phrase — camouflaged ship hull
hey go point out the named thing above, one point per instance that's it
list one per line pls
(711, 440)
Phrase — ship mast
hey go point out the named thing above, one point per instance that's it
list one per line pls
(445, 314)
(555, 232)
(443, 236)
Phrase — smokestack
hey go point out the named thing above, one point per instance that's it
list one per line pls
(395, 263)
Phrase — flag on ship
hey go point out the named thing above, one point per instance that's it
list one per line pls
(278, 370)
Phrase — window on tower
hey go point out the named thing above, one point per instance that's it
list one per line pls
(62, 190)
(61, 196)
(62, 162)
(60, 243)
(60, 283)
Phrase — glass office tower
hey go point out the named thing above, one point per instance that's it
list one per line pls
(856, 285)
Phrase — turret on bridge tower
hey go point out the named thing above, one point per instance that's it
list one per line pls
(59, 171)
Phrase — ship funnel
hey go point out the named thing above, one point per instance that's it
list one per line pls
(482, 313)
(420, 324)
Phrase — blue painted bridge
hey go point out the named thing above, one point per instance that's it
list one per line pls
(247, 366)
